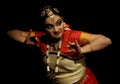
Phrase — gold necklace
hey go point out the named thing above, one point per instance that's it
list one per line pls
(57, 61)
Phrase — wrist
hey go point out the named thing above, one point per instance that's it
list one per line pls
(86, 49)
(82, 51)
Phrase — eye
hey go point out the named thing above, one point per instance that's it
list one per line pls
(59, 22)
(49, 26)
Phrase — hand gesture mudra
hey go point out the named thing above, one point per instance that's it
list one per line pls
(30, 40)
(75, 47)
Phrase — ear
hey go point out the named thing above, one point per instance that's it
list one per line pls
(66, 26)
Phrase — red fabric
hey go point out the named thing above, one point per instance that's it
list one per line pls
(90, 79)
(68, 36)
(39, 43)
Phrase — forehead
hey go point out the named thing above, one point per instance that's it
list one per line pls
(50, 20)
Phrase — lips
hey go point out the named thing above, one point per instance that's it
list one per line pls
(57, 33)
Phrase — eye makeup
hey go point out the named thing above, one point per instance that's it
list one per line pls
(49, 26)
(57, 23)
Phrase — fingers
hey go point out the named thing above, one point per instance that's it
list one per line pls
(74, 47)
(29, 38)
(78, 46)
(30, 32)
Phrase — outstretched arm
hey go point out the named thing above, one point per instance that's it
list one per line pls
(20, 36)
(89, 43)
(96, 42)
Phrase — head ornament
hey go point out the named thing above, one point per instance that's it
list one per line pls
(49, 11)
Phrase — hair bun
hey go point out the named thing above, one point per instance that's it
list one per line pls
(49, 11)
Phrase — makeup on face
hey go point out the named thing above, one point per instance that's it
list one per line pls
(53, 24)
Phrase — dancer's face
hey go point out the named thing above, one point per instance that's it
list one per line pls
(54, 26)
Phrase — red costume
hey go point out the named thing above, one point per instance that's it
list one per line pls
(72, 69)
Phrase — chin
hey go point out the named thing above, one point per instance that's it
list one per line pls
(56, 37)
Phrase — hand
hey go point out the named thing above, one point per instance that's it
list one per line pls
(30, 40)
(75, 47)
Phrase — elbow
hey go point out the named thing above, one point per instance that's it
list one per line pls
(12, 33)
(108, 41)
(105, 41)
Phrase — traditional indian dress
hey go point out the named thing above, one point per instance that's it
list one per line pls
(71, 69)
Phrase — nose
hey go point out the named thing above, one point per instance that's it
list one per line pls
(55, 28)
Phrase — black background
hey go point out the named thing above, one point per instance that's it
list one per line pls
(21, 64)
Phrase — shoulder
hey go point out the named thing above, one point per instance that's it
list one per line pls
(72, 35)
(72, 32)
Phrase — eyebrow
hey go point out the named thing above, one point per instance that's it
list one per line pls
(59, 20)
(55, 21)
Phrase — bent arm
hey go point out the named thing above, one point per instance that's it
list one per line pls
(96, 42)
(19, 35)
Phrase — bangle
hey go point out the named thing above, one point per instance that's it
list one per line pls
(90, 47)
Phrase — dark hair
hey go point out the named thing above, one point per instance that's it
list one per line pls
(48, 11)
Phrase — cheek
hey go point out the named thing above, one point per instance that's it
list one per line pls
(63, 28)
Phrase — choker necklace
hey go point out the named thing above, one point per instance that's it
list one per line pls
(52, 74)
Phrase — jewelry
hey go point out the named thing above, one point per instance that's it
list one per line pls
(57, 61)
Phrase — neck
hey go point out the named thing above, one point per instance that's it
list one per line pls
(53, 41)
(55, 45)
